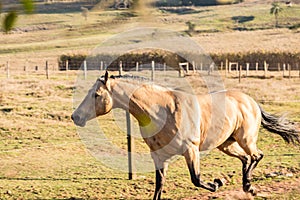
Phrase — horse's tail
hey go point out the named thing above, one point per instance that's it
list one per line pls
(281, 126)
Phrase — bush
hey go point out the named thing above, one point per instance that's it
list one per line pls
(128, 60)
(272, 58)
(172, 60)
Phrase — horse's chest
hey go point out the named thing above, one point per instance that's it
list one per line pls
(165, 142)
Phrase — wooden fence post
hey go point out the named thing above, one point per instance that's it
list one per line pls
(137, 66)
(226, 67)
(152, 70)
(47, 70)
(256, 66)
(26, 67)
(120, 68)
(67, 65)
(247, 69)
(101, 65)
(240, 73)
(211, 68)
(85, 69)
(283, 69)
(7, 70)
(194, 67)
(130, 143)
(130, 146)
(221, 66)
(265, 68)
(289, 68)
(236, 68)
(187, 68)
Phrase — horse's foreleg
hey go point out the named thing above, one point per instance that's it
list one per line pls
(193, 161)
(160, 175)
(159, 182)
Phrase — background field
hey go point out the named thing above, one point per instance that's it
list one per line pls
(41, 154)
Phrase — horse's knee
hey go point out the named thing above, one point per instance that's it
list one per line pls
(257, 157)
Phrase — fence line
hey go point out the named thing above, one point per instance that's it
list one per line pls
(288, 71)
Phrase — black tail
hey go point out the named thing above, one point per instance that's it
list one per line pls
(281, 126)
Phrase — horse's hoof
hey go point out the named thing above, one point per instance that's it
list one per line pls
(219, 182)
(213, 187)
(250, 189)
(253, 191)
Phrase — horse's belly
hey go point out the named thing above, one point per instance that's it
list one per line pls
(166, 148)
(214, 139)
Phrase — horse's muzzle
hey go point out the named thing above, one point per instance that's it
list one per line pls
(78, 120)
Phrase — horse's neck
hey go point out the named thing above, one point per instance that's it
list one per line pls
(122, 92)
(140, 100)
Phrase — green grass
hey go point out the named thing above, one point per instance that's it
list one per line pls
(41, 155)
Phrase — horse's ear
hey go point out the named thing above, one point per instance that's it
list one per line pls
(106, 81)
(106, 77)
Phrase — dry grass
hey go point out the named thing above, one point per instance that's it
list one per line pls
(42, 156)
(45, 36)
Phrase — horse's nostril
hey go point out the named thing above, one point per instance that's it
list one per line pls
(75, 118)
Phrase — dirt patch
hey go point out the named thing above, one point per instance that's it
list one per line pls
(264, 191)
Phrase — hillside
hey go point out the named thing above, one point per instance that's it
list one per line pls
(59, 28)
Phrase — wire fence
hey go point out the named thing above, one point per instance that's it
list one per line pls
(227, 69)
(47, 70)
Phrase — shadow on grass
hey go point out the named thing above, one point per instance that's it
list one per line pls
(182, 10)
(242, 19)
(55, 179)
(60, 8)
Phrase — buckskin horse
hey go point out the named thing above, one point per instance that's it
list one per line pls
(176, 123)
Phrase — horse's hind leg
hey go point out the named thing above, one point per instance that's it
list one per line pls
(246, 137)
(248, 174)
(232, 148)
(193, 161)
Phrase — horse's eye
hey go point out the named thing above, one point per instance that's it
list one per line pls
(96, 95)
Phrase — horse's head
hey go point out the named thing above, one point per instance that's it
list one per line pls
(97, 102)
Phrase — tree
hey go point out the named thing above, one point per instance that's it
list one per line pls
(275, 10)
(10, 18)
(85, 12)
(191, 26)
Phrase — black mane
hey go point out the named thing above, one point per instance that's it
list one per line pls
(127, 76)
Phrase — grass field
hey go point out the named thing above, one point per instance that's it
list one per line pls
(41, 153)
(42, 156)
